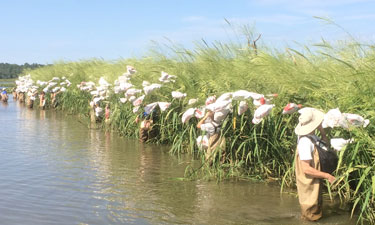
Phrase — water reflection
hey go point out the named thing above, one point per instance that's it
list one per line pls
(54, 170)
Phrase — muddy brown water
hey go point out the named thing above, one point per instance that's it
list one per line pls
(54, 170)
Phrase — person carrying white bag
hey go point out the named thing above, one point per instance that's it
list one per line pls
(216, 142)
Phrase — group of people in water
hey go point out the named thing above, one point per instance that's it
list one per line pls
(309, 173)
(30, 97)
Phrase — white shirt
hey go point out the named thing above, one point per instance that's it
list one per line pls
(306, 148)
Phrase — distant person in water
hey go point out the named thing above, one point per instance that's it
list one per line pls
(107, 113)
(4, 95)
(14, 93)
(42, 100)
(21, 97)
(308, 165)
(146, 131)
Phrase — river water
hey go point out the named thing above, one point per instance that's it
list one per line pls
(54, 170)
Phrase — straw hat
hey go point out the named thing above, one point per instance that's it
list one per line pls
(309, 120)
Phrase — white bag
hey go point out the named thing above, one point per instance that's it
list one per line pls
(210, 100)
(123, 100)
(97, 100)
(132, 92)
(135, 109)
(166, 78)
(178, 95)
(132, 98)
(150, 88)
(203, 141)
(124, 86)
(225, 97)
(219, 116)
(103, 82)
(199, 113)
(188, 114)
(261, 112)
(145, 83)
(130, 70)
(209, 127)
(117, 89)
(192, 101)
(243, 95)
(291, 108)
(339, 143)
(219, 106)
(98, 111)
(164, 106)
(138, 101)
(334, 118)
(94, 93)
(242, 107)
(356, 120)
(148, 108)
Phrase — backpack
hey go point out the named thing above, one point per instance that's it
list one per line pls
(327, 157)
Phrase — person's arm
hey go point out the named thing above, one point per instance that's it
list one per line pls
(208, 114)
(309, 170)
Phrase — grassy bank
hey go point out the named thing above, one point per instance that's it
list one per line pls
(7, 83)
(324, 76)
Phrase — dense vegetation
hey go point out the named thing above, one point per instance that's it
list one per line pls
(8, 71)
(325, 76)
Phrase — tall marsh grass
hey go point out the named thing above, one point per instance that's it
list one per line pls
(325, 76)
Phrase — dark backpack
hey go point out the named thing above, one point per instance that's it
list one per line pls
(328, 158)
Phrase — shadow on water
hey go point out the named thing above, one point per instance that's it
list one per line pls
(54, 170)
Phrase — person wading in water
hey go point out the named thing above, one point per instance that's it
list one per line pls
(308, 165)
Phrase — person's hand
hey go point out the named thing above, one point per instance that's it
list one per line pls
(331, 178)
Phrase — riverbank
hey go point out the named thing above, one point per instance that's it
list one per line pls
(7, 83)
(331, 76)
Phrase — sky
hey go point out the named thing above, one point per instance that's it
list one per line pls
(47, 31)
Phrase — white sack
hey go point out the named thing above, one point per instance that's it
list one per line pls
(291, 108)
(219, 106)
(210, 100)
(138, 101)
(203, 141)
(199, 113)
(225, 97)
(334, 118)
(178, 95)
(188, 114)
(150, 107)
(192, 101)
(339, 143)
(242, 107)
(150, 88)
(356, 120)
(219, 116)
(242, 95)
(261, 112)
(164, 105)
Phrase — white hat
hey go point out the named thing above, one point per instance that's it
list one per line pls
(309, 120)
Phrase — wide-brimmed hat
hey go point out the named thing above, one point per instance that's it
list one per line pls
(309, 120)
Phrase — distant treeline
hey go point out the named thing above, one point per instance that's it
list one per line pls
(13, 70)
